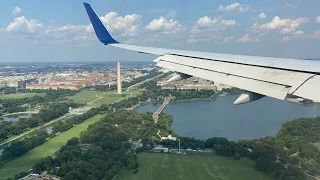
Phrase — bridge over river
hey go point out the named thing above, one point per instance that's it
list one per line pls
(164, 104)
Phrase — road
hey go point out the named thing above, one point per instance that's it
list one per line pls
(98, 97)
(35, 129)
(144, 81)
(25, 112)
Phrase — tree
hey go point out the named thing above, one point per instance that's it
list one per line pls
(237, 156)
(73, 141)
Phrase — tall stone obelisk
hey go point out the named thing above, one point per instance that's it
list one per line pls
(119, 78)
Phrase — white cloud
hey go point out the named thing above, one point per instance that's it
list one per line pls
(172, 14)
(233, 7)
(22, 24)
(75, 28)
(228, 22)
(318, 19)
(262, 15)
(286, 38)
(214, 23)
(287, 30)
(298, 33)
(206, 26)
(127, 25)
(246, 38)
(285, 26)
(289, 5)
(16, 10)
(317, 34)
(165, 25)
(228, 39)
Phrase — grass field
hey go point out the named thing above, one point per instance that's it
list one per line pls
(192, 166)
(32, 130)
(317, 144)
(18, 96)
(92, 98)
(26, 161)
(95, 98)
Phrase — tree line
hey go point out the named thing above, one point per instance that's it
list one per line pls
(22, 104)
(46, 114)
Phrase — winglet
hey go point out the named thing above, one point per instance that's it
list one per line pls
(102, 33)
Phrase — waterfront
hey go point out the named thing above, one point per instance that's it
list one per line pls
(205, 119)
(16, 117)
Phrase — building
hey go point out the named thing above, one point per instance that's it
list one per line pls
(159, 149)
(119, 78)
(220, 86)
(54, 86)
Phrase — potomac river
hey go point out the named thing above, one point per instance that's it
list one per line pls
(220, 118)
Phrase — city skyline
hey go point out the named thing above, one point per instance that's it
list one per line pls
(60, 31)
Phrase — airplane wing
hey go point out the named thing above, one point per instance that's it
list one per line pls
(260, 76)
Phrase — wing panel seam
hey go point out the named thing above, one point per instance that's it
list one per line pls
(227, 74)
(269, 67)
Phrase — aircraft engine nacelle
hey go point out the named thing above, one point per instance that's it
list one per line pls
(248, 97)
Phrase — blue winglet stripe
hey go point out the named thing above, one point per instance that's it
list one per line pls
(102, 33)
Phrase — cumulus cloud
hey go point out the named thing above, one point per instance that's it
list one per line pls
(228, 39)
(233, 7)
(318, 19)
(22, 24)
(286, 38)
(246, 38)
(165, 25)
(298, 33)
(286, 26)
(317, 34)
(16, 10)
(172, 14)
(212, 24)
(205, 26)
(74, 28)
(289, 5)
(127, 25)
(262, 15)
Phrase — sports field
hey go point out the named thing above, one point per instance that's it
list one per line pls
(192, 166)
(18, 96)
(26, 161)
(95, 98)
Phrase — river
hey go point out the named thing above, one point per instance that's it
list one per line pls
(220, 118)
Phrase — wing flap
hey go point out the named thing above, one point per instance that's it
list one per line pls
(310, 89)
(276, 76)
(266, 88)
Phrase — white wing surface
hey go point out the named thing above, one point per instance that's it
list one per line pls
(274, 77)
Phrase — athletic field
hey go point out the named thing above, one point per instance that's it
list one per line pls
(159, 166)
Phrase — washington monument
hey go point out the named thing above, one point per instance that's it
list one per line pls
(119, 78)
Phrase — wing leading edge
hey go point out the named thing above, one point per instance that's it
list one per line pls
(274, 77)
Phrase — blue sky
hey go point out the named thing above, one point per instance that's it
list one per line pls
(60, 30)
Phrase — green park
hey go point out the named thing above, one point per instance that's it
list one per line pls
(48, 148)
(201, 166)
